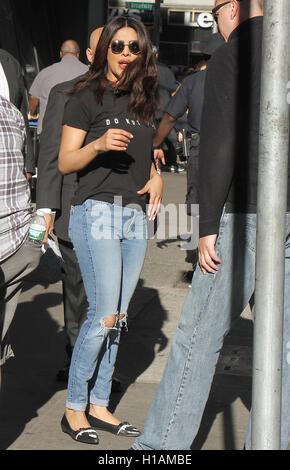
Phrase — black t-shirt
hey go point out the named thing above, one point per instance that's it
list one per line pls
(167, 85)
(111, 174)
(190, 95)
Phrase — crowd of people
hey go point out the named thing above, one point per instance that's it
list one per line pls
(101, 143)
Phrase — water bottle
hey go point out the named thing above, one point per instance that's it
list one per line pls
(37, 228)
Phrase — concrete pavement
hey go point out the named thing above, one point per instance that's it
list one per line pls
(32, 402)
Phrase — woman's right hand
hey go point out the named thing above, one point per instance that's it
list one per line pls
(113, 139)
(74, 157)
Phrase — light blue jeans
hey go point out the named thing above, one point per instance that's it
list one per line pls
(110, 242)
(213, 304)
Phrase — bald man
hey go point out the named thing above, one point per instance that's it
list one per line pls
(54, 192)
(68, 68)
(94, 39)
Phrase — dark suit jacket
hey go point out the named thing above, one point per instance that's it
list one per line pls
(17, 92)
(167, 85)
(54, 190)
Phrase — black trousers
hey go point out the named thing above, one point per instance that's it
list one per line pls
(170, 152)
(75, 303)
(192, 181)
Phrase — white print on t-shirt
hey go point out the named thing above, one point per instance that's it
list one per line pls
(117, 121)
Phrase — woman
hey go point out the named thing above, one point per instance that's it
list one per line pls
(107, 138)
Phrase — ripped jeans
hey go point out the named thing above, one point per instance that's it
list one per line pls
(110, 242)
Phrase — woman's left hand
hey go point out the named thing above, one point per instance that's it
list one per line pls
(159, 155)
(155, 188)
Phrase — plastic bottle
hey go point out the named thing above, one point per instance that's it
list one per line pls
(37, 228)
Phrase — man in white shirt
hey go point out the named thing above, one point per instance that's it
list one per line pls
(12, 88)
(68, 68)
(4, 88)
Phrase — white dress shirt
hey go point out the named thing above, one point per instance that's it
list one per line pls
(4, 88)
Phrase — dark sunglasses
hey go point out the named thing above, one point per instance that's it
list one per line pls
(118, 46)
(216, 9)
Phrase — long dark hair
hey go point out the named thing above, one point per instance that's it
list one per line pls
(139, 78)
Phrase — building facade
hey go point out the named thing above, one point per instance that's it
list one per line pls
(33, 31)
(183, 24)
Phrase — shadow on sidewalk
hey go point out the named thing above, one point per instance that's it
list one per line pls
(144, 339)
(137, 352)
(227, 387)
(38, 343)
(28, 380)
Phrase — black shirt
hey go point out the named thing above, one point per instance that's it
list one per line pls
(167, 85)
(111, 173)
(230, 128)
(189, 96)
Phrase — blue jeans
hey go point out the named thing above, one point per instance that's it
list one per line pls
(110, 243)
(213, 304)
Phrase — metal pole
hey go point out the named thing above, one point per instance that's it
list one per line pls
(272, 197)
(157, 19)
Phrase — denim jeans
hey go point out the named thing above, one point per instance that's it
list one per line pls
(110, 243)
(213, 304)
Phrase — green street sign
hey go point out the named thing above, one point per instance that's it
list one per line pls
(140, 6)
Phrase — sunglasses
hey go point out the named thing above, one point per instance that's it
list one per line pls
(118, 46)
(216, 9)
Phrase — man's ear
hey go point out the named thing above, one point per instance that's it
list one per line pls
(90, 55)
(235, 8)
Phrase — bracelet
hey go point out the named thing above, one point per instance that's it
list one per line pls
(156, 147)
(158, 172)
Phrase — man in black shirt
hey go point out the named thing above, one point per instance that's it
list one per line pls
(189, 98)
(225, 282)
(167, 85)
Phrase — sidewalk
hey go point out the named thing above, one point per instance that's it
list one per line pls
(32, 402)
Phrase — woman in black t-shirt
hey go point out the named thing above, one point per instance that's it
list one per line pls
(107, 138)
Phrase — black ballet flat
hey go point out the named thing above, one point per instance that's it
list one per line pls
(123, 429)
(85, 435)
